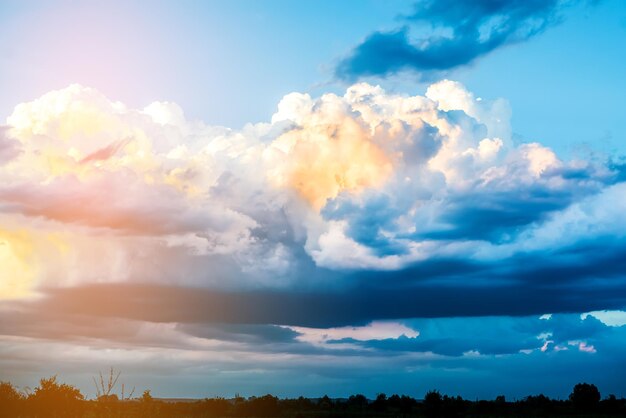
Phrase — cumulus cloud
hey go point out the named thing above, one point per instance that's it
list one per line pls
(330, 189)
(8, 147)
(443, 35)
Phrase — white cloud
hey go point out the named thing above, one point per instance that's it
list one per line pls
(376, 330)
(610, 318)
(359, 181)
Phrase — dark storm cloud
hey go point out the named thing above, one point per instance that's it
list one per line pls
(474, 29)
(532, 285)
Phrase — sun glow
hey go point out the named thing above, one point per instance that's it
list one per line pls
(17, 275)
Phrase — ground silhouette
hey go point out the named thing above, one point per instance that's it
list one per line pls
(52, 399)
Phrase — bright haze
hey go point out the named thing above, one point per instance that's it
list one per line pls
(309, 198)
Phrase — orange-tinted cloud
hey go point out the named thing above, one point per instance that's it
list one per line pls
(320, 161)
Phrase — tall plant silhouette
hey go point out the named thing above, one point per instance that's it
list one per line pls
(104, 388)
(108, 402)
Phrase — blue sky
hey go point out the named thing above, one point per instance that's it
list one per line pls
(229, 63)
(373, 196)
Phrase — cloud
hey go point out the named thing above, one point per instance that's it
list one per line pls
(374, 331)
(449, 34)
(565, 349)
(8, 147)
(333, 192)
(18, 277)
(457, 337)
(408, 297)
(610, 318)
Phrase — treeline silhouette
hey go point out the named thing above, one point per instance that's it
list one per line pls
(52, 399)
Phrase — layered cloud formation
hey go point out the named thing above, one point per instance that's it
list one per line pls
(529, 355)
(93, 191)
(316, 237)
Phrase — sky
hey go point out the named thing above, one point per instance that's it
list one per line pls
(309, 198)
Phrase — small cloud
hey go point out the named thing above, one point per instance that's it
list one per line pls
(371, 332)
(546, 345)
(586, 348)
(583, 346)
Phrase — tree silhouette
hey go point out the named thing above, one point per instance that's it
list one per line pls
(357, 402)
(380, 404)
(585, 397)
(432, 403)
(539, 405)
(147, 405)
(54, 399)
(9, 400)
(146, 396)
